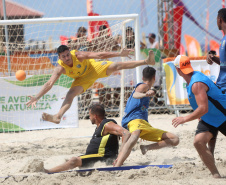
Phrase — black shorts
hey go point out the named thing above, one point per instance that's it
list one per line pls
(90, 159)
(205, 127)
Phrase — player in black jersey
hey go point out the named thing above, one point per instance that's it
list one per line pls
(103, 145)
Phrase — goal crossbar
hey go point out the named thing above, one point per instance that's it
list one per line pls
(68, 19)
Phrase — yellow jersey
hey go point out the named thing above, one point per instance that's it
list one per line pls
(79, 68)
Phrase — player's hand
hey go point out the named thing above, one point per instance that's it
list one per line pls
(209, 58)
(177, 121)
(32, 102)
(115, 161)
(126, 53)
(150, 93)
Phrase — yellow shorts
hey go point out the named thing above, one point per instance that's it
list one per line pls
(96, 70)
(148, 132)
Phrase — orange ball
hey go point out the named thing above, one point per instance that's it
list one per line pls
(20, 75)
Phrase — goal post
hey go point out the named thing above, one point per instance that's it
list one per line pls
(38, 63)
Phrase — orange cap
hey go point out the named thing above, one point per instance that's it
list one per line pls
(183, 62)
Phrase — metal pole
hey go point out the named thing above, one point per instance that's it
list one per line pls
(7, 39)
(137, 48)
(122, 93)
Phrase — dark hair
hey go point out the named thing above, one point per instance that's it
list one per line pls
(148, 73)
(153, 35)
(222, 14)
(82, 29)
(97, 109)
(129, 28)
(61, 49)
(102, 27)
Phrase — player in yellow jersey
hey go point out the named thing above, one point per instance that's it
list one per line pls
(85, 70)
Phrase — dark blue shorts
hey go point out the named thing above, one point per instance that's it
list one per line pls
(205, 127)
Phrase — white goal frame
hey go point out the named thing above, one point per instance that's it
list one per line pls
(126, 17)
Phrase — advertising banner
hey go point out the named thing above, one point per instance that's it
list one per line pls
(176, 85)
(16, 116)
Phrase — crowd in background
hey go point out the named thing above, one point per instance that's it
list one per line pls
(105, 42)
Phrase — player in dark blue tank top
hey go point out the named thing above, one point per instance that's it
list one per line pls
(136, 120)
(208, 103)
(221, 23)
(221, 81)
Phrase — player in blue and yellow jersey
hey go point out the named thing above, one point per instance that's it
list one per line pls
(209, 103)
(104, 144)
(136, 120)
(85, 70)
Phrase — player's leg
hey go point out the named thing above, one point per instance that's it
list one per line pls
(126, 150)
(167, 139)
(212, 144)
(74, 91)
(70, 164)
(200, 143)
(131, 64)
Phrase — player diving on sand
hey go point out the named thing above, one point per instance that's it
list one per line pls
(82, 66)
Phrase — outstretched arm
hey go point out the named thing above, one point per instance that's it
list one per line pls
(46, 87)
(199, 89)
(82, 55)
(143, 91)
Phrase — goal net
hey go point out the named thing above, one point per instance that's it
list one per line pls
(31, 46)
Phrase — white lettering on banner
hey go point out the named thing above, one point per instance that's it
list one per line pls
(13, 108)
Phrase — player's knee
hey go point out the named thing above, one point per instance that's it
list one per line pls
(70, 95)
(175, 141)
(198, 144)
(73, 162)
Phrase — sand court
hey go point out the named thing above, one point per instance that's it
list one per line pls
(22, 161)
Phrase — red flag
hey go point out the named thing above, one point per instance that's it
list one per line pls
(93, 29)
(177, 23)
(64, 40)
(182, 50)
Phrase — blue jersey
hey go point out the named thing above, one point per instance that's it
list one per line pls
(221, 81)
(135, 109)
(216, 114)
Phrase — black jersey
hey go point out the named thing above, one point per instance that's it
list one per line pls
(105, 146)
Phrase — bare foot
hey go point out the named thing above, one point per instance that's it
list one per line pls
(143, 149)
(217, 175)
(151, 58)
(50, 118)
(46, 171)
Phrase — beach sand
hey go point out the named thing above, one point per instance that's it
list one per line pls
(22, 160)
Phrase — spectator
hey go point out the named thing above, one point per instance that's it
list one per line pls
(104, 41)
(81, 43)
(152, 42)
(130, 38)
